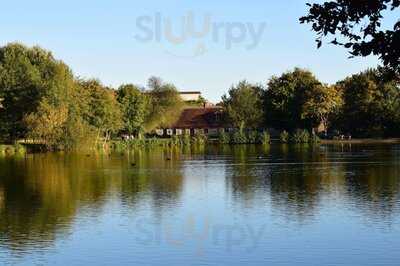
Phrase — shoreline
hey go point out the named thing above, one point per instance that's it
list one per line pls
(362, 141)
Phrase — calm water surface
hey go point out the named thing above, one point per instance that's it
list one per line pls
(330, 205)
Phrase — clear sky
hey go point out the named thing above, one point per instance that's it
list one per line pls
(97, 39)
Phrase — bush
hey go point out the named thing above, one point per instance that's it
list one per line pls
(252, 137)
(200, 139)
(264, 138)
(315, 139)
(186, 140)
(305, 136)
(224, 138)
(175, 140)
(2, 150)
(300, 136)
(284, 136)
(239, 137)
(16, 149)
(19, 149)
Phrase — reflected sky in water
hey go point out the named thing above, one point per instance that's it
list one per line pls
(333, 205)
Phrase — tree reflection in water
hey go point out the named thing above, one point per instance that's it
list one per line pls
(42, 195)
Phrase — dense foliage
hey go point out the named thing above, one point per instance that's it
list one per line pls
(371, 105)
(42, 101)
(360, 27)
(363, 105)
(243, 105)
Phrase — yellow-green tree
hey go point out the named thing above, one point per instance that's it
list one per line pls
(165, 104)
(134, 105)
(103, 112)
(321, 102)
(48, 123)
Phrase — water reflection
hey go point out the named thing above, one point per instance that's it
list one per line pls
(42, 196)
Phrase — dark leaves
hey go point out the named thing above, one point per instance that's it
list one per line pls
(360, 23)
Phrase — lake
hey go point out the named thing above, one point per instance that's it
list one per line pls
(243, 205)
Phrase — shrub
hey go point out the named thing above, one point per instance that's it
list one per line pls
(175, 140)
(2, 150)
(239, 137)
(252, 137)
(264, 138)
(300, 136)
(284, 136)
(305, 136)
(224, 138)
(186, 140)
(315, 139)
(200, 139)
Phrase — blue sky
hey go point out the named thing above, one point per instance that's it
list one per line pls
(97, 39)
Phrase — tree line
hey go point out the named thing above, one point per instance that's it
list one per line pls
(41, 99)
(366, 104)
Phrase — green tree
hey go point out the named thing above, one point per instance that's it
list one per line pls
(321, 103)
(244, 105)
(48, 124)
(27, 76)
(165, 105)
(134, 104)
(104, 111)
(371, 104)
(361, 27)
(286, 97)
(155, 83)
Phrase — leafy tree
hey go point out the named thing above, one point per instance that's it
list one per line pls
(134, 105)
(104, 112)
(286, 97)
(155, 83)
(359, 24)
(371, 104)
(27, 76)
(48, 123)
(321, 102)
(244, 105)
(165, 106)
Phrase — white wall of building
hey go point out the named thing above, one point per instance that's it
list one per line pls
(190, 96)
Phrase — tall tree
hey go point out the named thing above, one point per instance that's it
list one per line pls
(104, 112)
(134, 104)
(359, 25)
(165, 106)
(371, 104)
(244, 105)
(286, 97)
(321, 102)
(27, 76)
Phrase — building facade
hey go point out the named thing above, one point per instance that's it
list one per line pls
(193, 121)
(190, 96)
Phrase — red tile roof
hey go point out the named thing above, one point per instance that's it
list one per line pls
(209, 117)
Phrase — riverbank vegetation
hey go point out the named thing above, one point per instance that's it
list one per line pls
(41, 100)
(363, 105)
